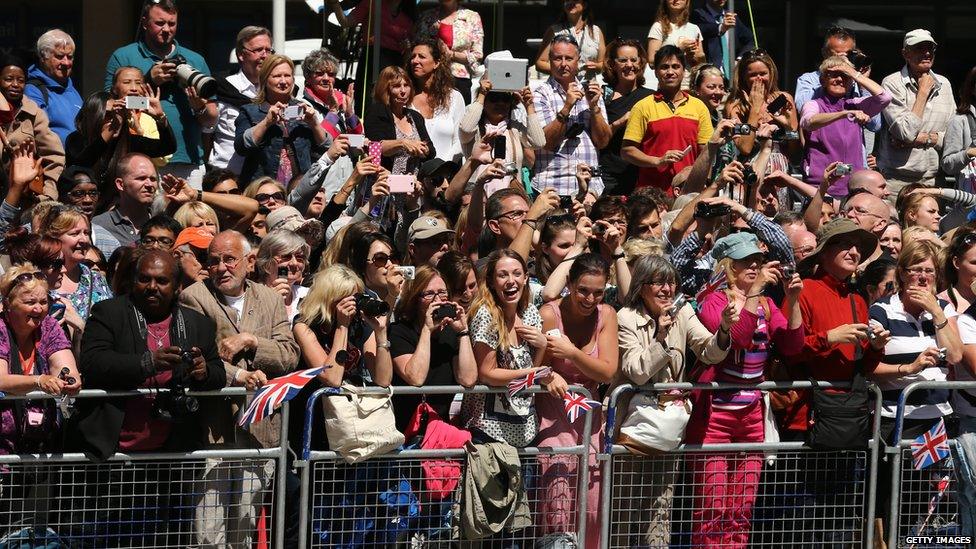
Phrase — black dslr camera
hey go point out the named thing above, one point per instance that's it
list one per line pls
(710, 211)
(177, 404)
(749, 176)
(189, 77)
(444, 310)
(370, 306)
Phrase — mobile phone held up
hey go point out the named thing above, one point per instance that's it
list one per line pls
(136, 102)
(292, 112)
(283, 272)
(376, 151)
(500, 147)
(777, 104)
(401, 183)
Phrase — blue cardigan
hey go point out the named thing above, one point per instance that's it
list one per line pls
(262, 158)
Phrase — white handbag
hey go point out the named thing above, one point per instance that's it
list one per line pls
(360, 426)
(656, 422)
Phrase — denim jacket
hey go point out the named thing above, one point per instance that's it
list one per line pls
(262, 158)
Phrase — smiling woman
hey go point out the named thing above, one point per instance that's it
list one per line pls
(82, 286)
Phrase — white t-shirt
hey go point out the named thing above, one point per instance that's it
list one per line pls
(688, 30)
(967, 333)
(443, 128)
(236, 303)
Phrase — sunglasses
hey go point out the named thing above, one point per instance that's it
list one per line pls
(54, 265)
(24, 278)
(79, 194)
(380, 259)
(265, 197)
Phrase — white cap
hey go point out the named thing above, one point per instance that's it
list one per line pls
(918, 36)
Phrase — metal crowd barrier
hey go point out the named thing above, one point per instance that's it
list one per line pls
(803, 497)
(385, 501)
(923, 502)
(158, 499)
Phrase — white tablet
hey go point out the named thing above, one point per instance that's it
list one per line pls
(508, 74)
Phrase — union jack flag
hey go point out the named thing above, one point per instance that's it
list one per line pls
(718, 281)
(931, 447)
(276, 391)
(576, 404)
(517, 385)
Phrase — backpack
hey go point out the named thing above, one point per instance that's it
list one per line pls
(45, 93)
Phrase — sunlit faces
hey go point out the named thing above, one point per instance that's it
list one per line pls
(128, 82)
(757, 72)
(559, 248)
(587, 293)
(564, 61)
(927, 215)
(281, 81)
(159, 26)
(59, 62)
(920, 275)
(746, 270)
(466, 294)
(920, 57)
(139, 182)
(12, 82)
(627, 64)
(28, 307)
(711, 90)
(891, 239)
(422, 62)
(378, 263)
(658, 295)
(508, 281)
(841, 257)
(76, 242)
(670, 71)
(649, 226)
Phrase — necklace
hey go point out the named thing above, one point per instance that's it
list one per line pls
(157, 337)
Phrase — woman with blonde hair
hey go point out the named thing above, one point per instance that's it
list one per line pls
(33, 352)
(81, 286)
(278, 135)
(430, 344)
(269, 192)
(198, 214)
(332, 332)
(672, 28)
(391, 121)
(919, 210)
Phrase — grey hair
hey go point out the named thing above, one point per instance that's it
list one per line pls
(649, 268)
(52, 40)
(278, 242)
(246, 34)
(317, 59)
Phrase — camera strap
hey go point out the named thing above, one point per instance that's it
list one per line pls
(180, 334)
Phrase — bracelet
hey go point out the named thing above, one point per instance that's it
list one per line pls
(621, 255)
(384, 345)
(464, 333)
(943, 325)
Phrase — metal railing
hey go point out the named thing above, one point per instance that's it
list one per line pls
(784, 512)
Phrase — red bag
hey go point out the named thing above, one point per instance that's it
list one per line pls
(441, 476)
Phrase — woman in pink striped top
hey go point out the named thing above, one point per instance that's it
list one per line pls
(726, 486)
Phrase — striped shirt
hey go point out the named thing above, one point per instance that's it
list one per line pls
(967, 333)
(909, 337)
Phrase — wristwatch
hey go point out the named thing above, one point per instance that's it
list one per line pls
(562, 117)
(384, 345)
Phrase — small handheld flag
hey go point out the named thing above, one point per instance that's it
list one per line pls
(276, 391)
(718, 281)
(931, 447)
(517, 385)
(576, 404)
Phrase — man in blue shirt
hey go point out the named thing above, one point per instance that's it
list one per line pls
(187, 113)
(49, 82)
(714, 22)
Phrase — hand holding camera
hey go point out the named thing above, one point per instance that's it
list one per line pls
(167, 358)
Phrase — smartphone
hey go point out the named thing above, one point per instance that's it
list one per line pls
(56, 309)
(376, 151)
(566, 203)
(500, 146)
(777, 104)
(356, 140)
(293, 112)
(686, 150)
(283, 272)
(401, 183)
(136, 102)
(554, 332)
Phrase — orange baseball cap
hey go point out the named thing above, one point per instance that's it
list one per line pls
(198, 237)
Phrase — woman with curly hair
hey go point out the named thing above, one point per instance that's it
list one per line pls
(436, 99)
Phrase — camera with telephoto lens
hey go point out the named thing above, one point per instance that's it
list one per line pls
(444, 310)
(710, 211)
(189, 77)
(784, 135)
(177, 404)
(370, 306)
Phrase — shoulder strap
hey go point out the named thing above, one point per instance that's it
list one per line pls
(41, 86)
(857, 379)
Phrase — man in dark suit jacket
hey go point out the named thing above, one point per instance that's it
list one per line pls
(714, 21)
(140, 340)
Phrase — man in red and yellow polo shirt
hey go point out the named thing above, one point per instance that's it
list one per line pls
(663, 126)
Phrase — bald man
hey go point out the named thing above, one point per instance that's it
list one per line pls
(871, 181)
(868, 211)
(803, 243)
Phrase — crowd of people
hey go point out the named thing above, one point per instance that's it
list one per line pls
(593, 230)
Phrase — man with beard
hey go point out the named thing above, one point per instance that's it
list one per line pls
(435, 176)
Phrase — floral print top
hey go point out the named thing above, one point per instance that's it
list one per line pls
(92, 288)
(469, 35)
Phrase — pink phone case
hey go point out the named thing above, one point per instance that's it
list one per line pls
(376, 151)
(401, 183)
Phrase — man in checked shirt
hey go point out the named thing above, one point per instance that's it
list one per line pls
(574, 122)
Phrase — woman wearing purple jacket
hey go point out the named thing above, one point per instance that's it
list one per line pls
(832, 122)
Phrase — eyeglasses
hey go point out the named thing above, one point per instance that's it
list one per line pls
(379, 259)
(290, 257)
(229, 261)
(265, 197)
(514, 215)
(429, 295)
(259, 51)
(79, 194)
(858, 210)
(53, 265)
(662, 283)
(163, 241)
(919, 271)
(200, 257)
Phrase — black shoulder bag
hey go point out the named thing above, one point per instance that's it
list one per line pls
(841, 419)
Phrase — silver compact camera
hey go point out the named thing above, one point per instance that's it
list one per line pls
(676, 306)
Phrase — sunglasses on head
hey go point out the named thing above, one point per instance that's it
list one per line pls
(24, 278)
